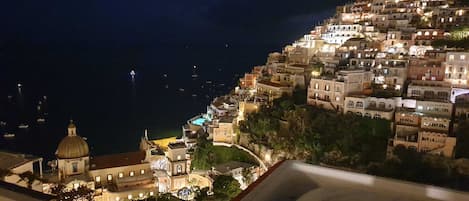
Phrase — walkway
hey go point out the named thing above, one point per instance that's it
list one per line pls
(262, 164)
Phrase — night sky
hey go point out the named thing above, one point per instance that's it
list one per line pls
(79, 54)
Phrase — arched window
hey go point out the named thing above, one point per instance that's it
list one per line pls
(178, 169)
(359, 104)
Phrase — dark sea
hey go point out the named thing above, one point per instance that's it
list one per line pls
(76, 60)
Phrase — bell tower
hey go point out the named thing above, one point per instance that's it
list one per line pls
(178, 169)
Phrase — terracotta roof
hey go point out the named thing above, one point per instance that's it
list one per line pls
(10, 160)
(117, 160)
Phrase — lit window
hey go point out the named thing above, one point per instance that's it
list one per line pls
(121, 174)
(337, 98)
(76, 185)
(97, 179)
(450, 19)
(142, 171)
(151, 193)
(442, 19)
(109, 177)
(129, 197)
(316, 86)
(435, 33)
(328, 87)
(420, 107)
(179, 168)
(179, 157)
(132, 173)
(419, 33)
(451, 57)
(427, 33)
(118, 198)
(462, 57)
(140, 195)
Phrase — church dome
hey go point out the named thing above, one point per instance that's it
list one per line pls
(72, 146)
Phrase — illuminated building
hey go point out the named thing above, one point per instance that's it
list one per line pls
(456, 68)
(330, 92)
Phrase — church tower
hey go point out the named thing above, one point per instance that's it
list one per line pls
(178, 169)
(72, 154)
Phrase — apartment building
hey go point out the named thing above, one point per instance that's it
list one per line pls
(371, 107)
(456, 68)
(330, 92)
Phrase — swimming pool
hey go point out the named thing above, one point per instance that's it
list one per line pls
(199, 121)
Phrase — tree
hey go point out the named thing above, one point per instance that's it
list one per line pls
(4, 173)
(462, 143)
(82, 193)
(226, 186)
(30, 178)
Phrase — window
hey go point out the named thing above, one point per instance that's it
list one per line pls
(76, 185)
(316, 85)
(435, 33)
(359, 104)
(121, 174)
(75, 167)
(179, 169)
(451, 57)
(462, 57)
(327, 88)
(97, 179)
(350, 104)
(142, 171)
(337, 89)
(132, 173)
(109, 177)
(179, 157)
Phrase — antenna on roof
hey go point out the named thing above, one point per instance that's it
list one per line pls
(146, 134)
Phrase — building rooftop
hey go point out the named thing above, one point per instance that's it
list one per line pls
(295, 180)
(269, 83)
(11, 160)
(429, 83)
(12, 192)
(177, 145)
(117, 160)
(227, 167)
